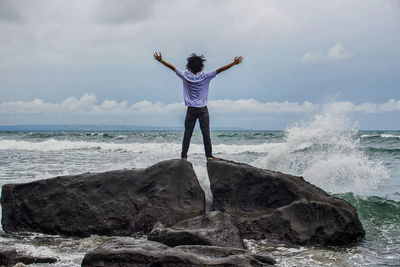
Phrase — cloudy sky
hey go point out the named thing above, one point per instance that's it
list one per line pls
(90, 62)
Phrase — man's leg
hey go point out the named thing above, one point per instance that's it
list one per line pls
(190, 122)
(204, 120)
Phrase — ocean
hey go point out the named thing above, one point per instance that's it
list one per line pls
(362, 167)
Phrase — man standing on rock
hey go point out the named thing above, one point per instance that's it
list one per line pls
(195, 94)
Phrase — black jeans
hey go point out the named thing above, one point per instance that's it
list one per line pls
(192, 115)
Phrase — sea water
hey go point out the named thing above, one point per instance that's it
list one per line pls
(327, 149)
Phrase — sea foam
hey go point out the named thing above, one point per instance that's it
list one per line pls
(60, 145)
(389, 136)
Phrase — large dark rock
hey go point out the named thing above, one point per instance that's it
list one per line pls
(280, 207)
(111, 203)
(9, 257)
(212, 229)
(127, 251)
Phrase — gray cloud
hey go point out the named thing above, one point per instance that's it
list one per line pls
(64, 48)
(9, 11)
(396, 3)
(123, 11)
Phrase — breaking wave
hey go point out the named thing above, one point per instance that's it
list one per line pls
(60, 145)
(326, 151)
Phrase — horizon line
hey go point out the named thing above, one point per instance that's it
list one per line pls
(120, 127)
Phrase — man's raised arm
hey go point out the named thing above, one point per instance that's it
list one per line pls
(236, 61)
(158, 57)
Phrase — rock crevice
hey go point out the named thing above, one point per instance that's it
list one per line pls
(262, 204)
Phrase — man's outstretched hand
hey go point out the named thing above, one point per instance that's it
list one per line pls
(238, 60)
(158, 56)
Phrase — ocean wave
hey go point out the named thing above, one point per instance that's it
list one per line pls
(63, 134)
(389, 136)
(373, 209)
(383, 150)
(373, 136)
(41, 134)
(60, 145)
(250, 135)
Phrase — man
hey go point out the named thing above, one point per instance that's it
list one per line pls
(195, 94)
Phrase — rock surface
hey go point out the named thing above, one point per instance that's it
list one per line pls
(9, 257)
(280, 207)
(112, 203)
(212, 229)
(127, 251)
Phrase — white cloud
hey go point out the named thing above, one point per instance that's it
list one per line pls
(245, 113)
(84, 103)
(367, 107)
(313, 56)
(336, 52)
(391, 105)
(87, 105)
(255, 107)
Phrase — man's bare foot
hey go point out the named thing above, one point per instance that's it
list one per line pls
(212, 158)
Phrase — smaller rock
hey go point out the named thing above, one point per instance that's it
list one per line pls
(128, 251)
(7, 255)
(212, 229)
(10, 257)
(26, 259)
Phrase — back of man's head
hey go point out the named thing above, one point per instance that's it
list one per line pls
(195, 63)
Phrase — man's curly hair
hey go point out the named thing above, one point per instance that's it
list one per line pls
(195, 63)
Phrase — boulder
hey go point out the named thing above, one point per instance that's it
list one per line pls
(118, 202)
(281, 207)
(212, 229)
(9, 257)
(128, 251)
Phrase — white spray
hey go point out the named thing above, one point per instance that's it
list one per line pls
(327, 153)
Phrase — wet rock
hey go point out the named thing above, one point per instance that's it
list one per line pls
(7, 255)
(212, 229)
(280, 207)
(127, 251)
(10, 257)
(118, 202)
(26, 259)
